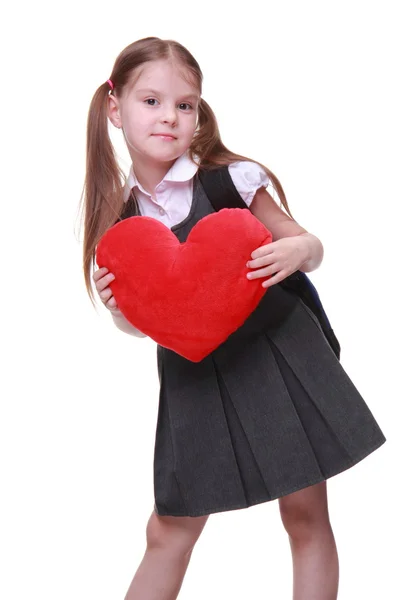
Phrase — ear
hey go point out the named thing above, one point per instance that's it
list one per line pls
(113, 111)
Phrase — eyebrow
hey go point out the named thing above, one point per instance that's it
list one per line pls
(157, 93)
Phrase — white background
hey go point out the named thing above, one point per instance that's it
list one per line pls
(308, 88)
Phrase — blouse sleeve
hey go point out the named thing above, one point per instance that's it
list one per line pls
(248, 177)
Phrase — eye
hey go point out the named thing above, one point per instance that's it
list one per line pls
(189, 106)
(151, 101)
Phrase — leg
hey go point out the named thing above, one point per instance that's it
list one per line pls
(315, 561)
(170, 542)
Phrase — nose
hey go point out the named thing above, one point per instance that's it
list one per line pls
(169, 115)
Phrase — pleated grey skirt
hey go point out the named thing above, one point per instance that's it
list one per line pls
(263, 416)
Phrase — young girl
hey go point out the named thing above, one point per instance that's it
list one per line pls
(270, 413)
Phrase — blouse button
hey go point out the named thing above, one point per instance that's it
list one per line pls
(161, 211)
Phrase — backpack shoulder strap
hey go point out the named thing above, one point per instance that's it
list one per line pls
(220, 189)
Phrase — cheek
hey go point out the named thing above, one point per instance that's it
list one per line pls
(139, 121)
(190, 127)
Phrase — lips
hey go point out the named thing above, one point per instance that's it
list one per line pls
(167, 135)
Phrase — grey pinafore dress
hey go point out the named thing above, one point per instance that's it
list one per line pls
(269, 412)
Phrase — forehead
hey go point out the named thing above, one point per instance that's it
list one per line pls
(165, 76)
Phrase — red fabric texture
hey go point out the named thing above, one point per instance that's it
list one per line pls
(188, 297)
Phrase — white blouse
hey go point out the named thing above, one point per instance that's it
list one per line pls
(172, 199)
(173, 195)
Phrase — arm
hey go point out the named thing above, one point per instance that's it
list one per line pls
(102, 279)
(124, 325)
(281, 225)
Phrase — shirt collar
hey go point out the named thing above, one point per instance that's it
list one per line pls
(183, 169)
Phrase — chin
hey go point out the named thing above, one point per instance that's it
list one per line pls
(166, 156)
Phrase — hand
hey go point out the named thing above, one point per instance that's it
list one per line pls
(278, 259)
(102, 279)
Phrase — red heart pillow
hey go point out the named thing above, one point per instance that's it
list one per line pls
(190, 296)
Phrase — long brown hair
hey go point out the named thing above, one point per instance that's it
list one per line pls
(102, 199)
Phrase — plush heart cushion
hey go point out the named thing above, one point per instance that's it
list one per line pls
(188, 297)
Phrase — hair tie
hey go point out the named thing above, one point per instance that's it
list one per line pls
(110, 83)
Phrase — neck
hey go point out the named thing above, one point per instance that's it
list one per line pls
(150, 173)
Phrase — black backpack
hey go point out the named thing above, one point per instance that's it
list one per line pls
(221, 192)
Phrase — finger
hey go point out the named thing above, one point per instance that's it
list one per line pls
(263, 261)
(105, 295)
(99, 273)
(274, 279)
(104, 282)
(112, 304)
(263, 250)
(270, 270)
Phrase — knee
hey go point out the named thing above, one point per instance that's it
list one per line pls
(301, 522)
(175, 534)
(305, 513)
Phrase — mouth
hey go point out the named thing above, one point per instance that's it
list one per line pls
(165, 136)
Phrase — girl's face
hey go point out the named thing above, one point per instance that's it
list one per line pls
(157, 113)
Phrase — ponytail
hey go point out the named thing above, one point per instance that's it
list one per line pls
(103, 189)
